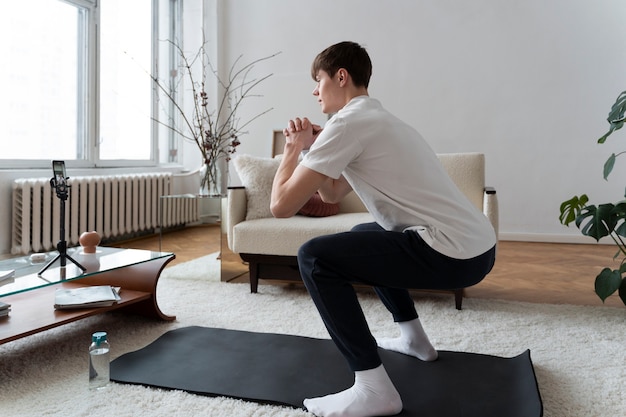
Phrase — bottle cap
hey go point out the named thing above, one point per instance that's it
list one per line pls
(99, 337)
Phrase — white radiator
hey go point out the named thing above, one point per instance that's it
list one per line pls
(114, 206)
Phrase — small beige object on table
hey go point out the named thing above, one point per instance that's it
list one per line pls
(89, 241)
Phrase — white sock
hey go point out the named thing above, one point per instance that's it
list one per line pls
(413, 341)
(373, 394)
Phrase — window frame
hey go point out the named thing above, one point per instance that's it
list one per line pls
(88, 90)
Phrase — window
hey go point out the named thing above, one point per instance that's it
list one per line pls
(125, 84)
(44, 59)
(76, 82)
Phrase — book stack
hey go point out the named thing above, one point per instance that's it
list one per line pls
(4, 309)
(86, 297)
(6, 277)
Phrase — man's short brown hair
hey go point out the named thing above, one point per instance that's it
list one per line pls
(349, 55)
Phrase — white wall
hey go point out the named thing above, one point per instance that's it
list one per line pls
(528, 83)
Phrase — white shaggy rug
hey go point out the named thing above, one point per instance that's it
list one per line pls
(579, 353)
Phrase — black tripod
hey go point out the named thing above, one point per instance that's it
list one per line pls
(62, 188)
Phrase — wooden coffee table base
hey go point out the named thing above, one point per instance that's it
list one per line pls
(33, 311)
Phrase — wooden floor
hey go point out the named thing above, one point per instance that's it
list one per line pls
(187, 243)
(536, 272)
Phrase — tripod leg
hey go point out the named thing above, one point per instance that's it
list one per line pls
(49, 264)
(75, 263)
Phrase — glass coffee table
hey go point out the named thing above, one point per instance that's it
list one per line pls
(31, 295)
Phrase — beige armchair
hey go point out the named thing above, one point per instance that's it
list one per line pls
(270, 245)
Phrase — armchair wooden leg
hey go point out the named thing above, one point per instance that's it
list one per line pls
(458, 298)
(254, 276)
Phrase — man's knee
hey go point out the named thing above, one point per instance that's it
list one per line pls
(367, 227)
(307, 254)
(307, 250)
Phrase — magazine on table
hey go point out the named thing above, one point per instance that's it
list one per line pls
(4, 309)
(7, 274)
(86, 297)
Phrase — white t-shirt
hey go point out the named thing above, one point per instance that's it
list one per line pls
(399, 179)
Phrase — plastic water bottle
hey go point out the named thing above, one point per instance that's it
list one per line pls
(99, 361)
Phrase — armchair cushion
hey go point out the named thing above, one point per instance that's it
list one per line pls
(284, 237)
(257, 175)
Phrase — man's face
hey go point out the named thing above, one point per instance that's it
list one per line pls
(328, 92)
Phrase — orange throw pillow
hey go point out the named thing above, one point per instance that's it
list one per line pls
(315, 207)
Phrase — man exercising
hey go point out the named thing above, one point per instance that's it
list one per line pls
(426, 235)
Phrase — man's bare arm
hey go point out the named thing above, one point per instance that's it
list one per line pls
(294, 184)
(334, 190)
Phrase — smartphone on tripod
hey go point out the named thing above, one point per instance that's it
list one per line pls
(59, 183)
(59, 179)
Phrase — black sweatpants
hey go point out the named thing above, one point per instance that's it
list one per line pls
(391, 262)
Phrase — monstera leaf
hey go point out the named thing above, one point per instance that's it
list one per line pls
(616, 116)
(597, 222)
(607, 282)
(571, 208)
(622, 291)
(602, 220)
(620, 213)
(616, 121)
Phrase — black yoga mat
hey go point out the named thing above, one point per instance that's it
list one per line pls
(281, 369)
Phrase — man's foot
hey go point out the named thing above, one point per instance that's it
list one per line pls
(413, 341)
(373, 394)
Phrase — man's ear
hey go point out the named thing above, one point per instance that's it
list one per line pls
(342, 74)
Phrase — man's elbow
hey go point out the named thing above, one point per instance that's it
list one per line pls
(280, 211)
(330, 200)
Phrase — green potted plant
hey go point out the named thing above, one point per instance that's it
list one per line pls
(608, 219)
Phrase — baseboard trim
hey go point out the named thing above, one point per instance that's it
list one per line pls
(552, 238)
